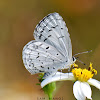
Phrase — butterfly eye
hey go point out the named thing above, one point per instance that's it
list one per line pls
(73, 58)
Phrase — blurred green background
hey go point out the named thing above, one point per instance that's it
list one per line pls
(18, 19)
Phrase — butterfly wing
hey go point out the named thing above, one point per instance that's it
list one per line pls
(41, 57)
(52, 30)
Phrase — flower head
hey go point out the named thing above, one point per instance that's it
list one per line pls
(83, 74)
(82, 78)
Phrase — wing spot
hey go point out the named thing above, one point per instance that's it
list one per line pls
(44, 27)
(49, 36)
(48, 67)
(61, 28)
(32, 63)
(45, 39)
(48, 15)
(54, 26)
(39, 24)
(42, 67)
(57, 53)
(37, 57)
(49, 30)
(40, 36)
(35, 46)
(47, 47)
(41, 71)
(41, 31)
(53, 67)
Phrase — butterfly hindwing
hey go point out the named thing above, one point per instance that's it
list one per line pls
(41, 57)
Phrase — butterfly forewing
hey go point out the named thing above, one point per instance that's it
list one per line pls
(52, 30)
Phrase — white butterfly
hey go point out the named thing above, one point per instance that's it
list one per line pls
(51, 50)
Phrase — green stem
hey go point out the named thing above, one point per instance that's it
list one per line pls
(50, 96)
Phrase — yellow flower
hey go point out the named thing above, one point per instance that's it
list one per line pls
(83, 74)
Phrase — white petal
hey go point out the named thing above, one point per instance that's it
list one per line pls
(77, 91)
(94, 82)
(86, 89)
(59, 76)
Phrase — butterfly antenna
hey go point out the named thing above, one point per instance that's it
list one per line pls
(81, 62)
(83, 52)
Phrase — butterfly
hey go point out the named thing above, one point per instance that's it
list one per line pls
(51, 50)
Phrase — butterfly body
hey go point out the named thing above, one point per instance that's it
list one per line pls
(51, 50)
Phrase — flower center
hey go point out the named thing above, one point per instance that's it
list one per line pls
(84, 74)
